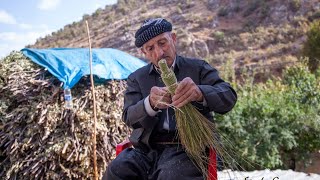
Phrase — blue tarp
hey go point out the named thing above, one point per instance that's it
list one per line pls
(70, 64)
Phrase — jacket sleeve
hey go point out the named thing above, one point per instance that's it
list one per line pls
(134, 113)
(219, 95)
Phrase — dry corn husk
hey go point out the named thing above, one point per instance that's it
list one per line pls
(39, 139)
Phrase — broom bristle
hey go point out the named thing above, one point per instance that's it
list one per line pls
(195, 131)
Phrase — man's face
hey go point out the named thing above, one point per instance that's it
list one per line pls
(160, 47)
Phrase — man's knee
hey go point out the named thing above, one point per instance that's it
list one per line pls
(112, 170)
(125, 166)
(179, 173)
(180, 167)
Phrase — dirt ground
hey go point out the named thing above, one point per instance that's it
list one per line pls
(313, 167)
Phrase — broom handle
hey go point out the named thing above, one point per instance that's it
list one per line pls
(94, 111)
(168, 76)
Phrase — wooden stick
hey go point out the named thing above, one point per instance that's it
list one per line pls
(96, 176)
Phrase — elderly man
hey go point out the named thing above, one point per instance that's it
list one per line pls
(157, 153)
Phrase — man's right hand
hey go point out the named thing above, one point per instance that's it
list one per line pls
(159, 98)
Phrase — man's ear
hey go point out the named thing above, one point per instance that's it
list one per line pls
(174, 37)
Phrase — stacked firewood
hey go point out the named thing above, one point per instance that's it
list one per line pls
(39, 138)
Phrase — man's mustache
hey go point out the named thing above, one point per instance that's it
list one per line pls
(162, 57)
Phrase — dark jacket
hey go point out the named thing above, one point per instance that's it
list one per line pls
(219, 95)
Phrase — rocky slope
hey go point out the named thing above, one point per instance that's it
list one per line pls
(267, 35)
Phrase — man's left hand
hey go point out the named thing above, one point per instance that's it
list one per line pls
(187, 91)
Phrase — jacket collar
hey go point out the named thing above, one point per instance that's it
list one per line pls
(176, 65)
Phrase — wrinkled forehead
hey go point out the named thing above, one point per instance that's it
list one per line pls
(163, 36)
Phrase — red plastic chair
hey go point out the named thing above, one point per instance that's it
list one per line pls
(212, 167)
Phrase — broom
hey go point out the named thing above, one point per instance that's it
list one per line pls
(196, 132)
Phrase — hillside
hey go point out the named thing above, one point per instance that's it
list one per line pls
(267, 35)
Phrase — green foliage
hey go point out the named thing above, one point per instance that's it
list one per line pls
(303, 85)
(311, 48)
(228, 72)
(219, 36)
(275, 122)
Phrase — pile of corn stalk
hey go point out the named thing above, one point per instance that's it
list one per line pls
(39, 138)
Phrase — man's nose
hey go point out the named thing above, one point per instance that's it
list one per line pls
(159, 52)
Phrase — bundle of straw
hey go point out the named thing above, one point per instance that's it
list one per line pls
(195, 131)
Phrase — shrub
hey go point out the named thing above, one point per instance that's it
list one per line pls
(315, 15)
(311, 48)
(275, 122)
(85, 17)
(252, 6)
(97, 12)
(264, 11)
(219, 36)
(223, 11)
(294, 5)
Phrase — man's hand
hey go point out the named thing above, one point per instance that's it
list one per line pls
(186, 92)
(159, 98)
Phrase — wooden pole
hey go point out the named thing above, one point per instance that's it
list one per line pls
(95, 169)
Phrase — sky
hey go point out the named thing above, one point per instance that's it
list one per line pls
(23, 22)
